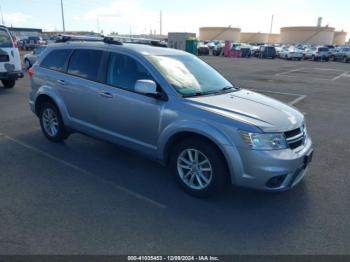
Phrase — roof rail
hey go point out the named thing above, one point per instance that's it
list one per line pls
(141, 41)
(82, 38)
(113, 40)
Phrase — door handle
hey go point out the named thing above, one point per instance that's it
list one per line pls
(106, 95)
(62, 82)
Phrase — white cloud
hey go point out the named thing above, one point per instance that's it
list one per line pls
(15, 18)
(122, 15)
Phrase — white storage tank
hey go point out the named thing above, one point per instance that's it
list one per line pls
(254, 37)
(307, 34)
(339, 37)
(220, 33)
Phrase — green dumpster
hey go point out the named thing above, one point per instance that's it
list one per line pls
(191, 45)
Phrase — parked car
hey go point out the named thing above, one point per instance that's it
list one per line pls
(172, 107)
(31, 43)
(342, 54)
(202, 49)
(291, 53)
(255, 51)
(317, 53)
(30, 59)
(267, 51)
(245, 50)
(10, 61)
(218, 49)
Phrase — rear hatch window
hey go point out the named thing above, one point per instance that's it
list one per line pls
(5, 39)
(323, 49)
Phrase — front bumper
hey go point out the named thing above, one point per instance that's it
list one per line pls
(14, 75)
(276, 170)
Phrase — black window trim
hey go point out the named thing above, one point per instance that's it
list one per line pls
(163, 96)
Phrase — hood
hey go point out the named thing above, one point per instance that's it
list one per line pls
(249, 107)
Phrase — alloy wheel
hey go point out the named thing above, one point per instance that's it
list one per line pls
(194, 169)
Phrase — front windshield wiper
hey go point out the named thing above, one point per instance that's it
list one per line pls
(222, 90)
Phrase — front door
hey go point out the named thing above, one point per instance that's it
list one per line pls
(132, 118)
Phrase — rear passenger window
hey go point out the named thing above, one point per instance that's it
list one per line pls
(124, 71)
(85, 63)
(56, 59)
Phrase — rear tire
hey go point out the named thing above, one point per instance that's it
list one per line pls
(206, 174)
(345, 60)
(51, 123)
(9, 83)
(27, 64)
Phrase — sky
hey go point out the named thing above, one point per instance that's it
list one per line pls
(141, 16)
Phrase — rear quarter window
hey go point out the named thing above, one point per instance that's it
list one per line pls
(56, 59)
(5, 39)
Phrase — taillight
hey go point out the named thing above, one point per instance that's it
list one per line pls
(30, 72)
(14, 41)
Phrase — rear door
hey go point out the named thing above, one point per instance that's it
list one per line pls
(9, 55)
(80, 87)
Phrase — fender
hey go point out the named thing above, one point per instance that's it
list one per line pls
(54, 95)
(224, 143)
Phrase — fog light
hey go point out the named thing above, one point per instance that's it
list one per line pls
(276, 181)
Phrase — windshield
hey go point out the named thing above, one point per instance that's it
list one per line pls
(189, 75)
(5, 39)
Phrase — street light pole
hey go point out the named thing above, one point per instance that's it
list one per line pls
(2, 16)
(64, 27)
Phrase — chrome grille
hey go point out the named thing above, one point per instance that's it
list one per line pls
(296, 137)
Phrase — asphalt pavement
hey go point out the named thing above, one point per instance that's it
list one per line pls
(87, 196)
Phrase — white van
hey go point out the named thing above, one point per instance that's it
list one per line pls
(10, 61)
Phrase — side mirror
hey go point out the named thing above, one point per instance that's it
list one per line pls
(147, 87)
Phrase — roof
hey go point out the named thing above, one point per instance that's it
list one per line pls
(131, 48)
(22, 29)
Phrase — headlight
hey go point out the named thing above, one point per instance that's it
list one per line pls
(304, 130)
(272, 141)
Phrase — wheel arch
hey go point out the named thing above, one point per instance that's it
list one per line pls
(43, 95)
(170, 138)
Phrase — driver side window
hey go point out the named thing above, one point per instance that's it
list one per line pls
(123, 72)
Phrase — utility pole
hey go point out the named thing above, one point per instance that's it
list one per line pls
(98, 25)
(2, 16)
(64, 27)
(271, 24)
(160, 23)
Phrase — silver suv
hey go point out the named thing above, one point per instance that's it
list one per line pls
(174, 108)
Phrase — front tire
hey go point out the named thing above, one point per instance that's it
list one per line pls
(199, 167)
(51, 123)
(9, 83)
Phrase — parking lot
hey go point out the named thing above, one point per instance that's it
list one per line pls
(90, 197)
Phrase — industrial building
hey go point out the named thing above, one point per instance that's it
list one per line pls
(177, 40)
(20, 32)
(220, 33)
